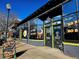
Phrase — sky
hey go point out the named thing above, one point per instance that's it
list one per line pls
(24, 8)
(21, 8)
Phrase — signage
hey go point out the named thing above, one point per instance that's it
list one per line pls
(25, 33)
(33, 34)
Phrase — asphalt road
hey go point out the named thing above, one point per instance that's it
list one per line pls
(68, 49)
(71, 50)
(34, 42)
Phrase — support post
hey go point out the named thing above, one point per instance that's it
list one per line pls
(15, 54)
(28, 31)
(7, 23)
(44, 32)
(20, 34)
(62, 30)
(52, 34)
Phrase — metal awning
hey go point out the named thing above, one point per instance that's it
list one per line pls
(52, 13)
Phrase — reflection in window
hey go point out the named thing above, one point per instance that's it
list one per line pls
(76, 30)
(57, 18)
(38, 21)
(78, 5)
(54, 23)
(48, 20)
(69, 7)
(59, 22)
(70, 30)
(78, 15)
(70, 19)
(39, 28)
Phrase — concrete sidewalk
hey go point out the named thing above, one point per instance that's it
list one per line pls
(27, 51)
(0, 53)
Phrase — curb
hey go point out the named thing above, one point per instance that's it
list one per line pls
(72, 44)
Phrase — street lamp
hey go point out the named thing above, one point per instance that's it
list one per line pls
(8, 7)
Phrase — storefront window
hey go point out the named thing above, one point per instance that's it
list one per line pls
(78, 15)
(69, 7)
(39, 27)
(70, 19)
(78, 5)
(57, 18)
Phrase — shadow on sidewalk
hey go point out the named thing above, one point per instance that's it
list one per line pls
(20, 53)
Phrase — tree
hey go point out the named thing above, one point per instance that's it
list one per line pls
(12, 19)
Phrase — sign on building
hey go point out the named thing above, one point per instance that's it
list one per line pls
(25, 33)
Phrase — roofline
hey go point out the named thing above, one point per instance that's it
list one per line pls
(29, 17)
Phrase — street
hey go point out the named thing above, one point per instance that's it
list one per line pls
(34, 42)
(71, 50)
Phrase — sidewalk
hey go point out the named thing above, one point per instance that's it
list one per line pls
(26, 51)
(0, 53)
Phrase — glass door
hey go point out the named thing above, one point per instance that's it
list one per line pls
(48, 37)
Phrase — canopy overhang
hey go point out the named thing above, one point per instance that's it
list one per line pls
(52, 13)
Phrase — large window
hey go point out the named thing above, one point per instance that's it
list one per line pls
(71, 27)
(39, 24)
(36, 29)
(78, 15)
(69, 19)
(57, 18)
(69, 7)
(78, 5)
